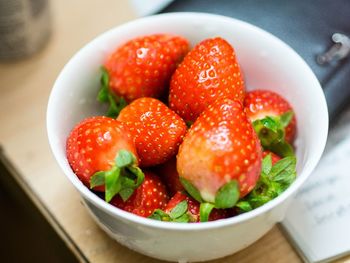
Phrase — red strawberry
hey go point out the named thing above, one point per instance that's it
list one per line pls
(150, 195)
(262, 103)
(274, 157)
(208, 72)
(93, 148)
(93, 145)
(193, 208)
(158, 131)
(142, 67)
(170, 176)
(220, 157)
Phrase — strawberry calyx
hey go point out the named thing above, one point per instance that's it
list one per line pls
(204, 211)
(123, 178)
(273, 181)
(179, 214)
(271, 132)
(115, 103)
(226, 197)
(191, 190)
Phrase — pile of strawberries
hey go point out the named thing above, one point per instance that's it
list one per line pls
(182, 139)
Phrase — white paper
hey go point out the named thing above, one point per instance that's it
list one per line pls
(318, 221)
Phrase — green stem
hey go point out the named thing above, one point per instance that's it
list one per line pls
(123, 178)
(204, 211)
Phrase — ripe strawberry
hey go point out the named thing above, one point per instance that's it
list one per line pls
(158, 131)
(150, 195)
(93, 148)
(260, 104)
(142, 67)
(220, 157)
(170, 176)
(208, 72)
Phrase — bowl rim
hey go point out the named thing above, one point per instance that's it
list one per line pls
(115, 212)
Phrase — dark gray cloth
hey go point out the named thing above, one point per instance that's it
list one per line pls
(306, 25)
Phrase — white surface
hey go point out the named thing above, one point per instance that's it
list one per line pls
(144, 8)
(318, 219)
(267, 63)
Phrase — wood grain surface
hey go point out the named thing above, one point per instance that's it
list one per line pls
(24, 89)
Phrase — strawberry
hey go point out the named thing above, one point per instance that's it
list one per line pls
(158, 131)
(150, 195)
(142, 67)
(182, 208)
(99, 149)
(208, 72)
(273, 120)
(220, 157)
(170, 176)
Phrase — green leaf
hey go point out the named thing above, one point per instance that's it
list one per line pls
(123, 178)
(285, 118)
(270, 123)
(137, 172)
(272, 183)
(104, 77)
(284, 171)
(97, 179)
(160, 215)
(271, 132)
(185, 218)
(124, 158)
(127, 182)
(274, 189)
(260, 200)
(112, 111)
(113, 184)
(228, 195)
(116, 104)
(155, 216)
(268, 131)
(204, 211)
(125, 193)
(244, 206)
(103, 94)
(131, 178)
(179, 210)
(267, 164)
(281, 148)
(191, 189)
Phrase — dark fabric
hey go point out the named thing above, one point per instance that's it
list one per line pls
(306, 25)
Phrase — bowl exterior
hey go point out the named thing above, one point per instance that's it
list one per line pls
(186, 245)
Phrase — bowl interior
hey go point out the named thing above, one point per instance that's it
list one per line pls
(267, 63)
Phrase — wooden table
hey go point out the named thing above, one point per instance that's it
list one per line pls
(24, 90)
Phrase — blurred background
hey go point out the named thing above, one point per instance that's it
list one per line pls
(39, 208)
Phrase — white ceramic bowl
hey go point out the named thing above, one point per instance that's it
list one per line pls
(267, 63)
